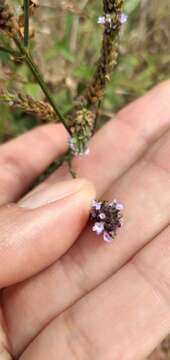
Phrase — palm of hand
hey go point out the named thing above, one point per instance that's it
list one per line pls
(98, 301)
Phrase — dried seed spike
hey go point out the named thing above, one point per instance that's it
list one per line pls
(40, 109)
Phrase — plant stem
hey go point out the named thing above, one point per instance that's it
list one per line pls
(9, 51)
(33, 67)
(26, 22)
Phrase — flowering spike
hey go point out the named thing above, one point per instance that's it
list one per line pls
(112, 19)
(81, 126)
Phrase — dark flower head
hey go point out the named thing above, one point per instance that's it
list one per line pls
(107, 218)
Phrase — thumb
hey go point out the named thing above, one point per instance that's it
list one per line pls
(37, 231)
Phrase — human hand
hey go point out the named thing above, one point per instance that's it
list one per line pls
(102, 301)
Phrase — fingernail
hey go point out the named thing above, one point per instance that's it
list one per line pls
(54, 192)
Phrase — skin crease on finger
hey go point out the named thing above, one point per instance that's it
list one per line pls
(93, 252)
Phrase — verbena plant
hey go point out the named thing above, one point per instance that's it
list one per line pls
(81, 120)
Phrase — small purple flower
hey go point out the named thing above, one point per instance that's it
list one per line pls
(98, 228)
(119, 206)
(107, 237)
(96, 204)
(123, 18)
(106, 19)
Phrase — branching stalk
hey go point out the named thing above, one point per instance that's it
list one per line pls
(33, 67)
(26, 22)
(9, 51)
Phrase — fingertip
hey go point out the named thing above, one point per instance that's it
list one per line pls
(78, 203)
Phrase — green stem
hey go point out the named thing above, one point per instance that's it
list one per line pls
(33, 67)
(26, 22)
(9, 51)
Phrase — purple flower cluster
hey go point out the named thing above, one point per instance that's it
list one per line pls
(107, 19)
(107, 218)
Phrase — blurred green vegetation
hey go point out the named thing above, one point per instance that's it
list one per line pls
(66, 46)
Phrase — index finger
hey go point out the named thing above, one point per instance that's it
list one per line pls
(26, 157)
